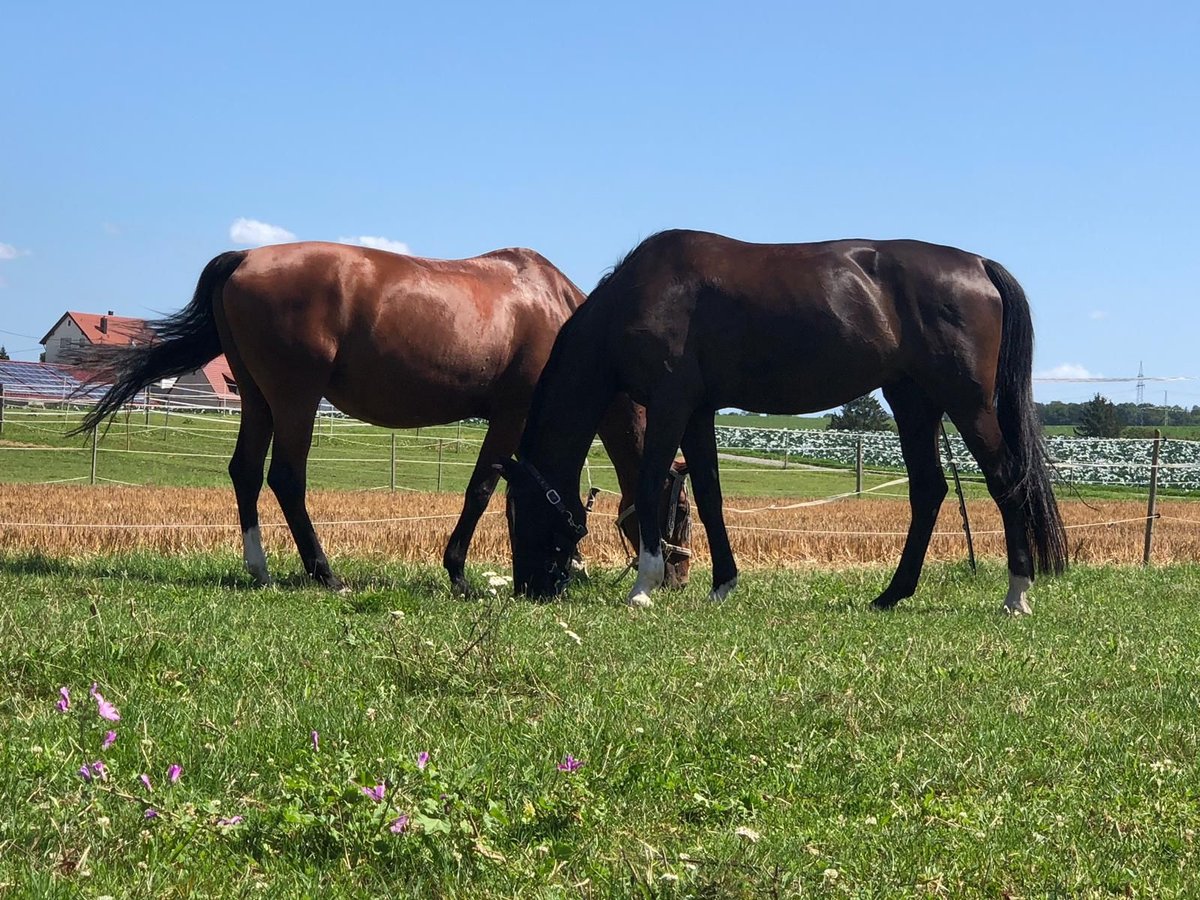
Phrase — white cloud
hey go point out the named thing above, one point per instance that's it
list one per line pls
(1097, 314)
(1065, 372)
(379, 243)
(253, 233)
(8, 251)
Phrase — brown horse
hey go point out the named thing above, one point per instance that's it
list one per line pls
(691, 322)
(395, 340)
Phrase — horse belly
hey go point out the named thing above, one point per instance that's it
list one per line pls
(416, 389)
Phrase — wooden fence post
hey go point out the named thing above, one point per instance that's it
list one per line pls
(393, 480)
(439, 481)
(858, 466)
(1, 409)
(1152, 506)
(962, 501)
(94, 438)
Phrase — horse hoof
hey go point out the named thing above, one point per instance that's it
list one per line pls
(1021, 608)
(884, 603)
(640, 600)
(721, 591)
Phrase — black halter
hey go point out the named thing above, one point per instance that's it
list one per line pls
(554, 498)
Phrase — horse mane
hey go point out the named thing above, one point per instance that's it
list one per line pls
(625, 260)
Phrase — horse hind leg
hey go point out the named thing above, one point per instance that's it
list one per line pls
(917, 417)
(503, 434)
(246, 473)
(287, 477)
(980, 430)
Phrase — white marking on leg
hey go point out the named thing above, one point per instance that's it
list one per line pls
(721, 591)
(252, 553)
(651, 570)
(1015, 603)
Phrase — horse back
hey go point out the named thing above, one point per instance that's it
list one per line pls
(764, 325)
(457, 336)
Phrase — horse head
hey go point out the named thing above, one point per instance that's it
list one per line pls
(544, 528)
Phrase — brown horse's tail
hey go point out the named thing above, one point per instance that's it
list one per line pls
(1021, 428)
(182, 343)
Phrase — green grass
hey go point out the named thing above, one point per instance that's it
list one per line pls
(753, 420)
(789, 742)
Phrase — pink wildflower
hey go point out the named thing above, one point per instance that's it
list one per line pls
(105, 709)
(85, 772)
(569, 763)
(150, 813)
(422, 760)
(100, 770)
(399, 824)
(316, 741)
(145, 780)
(375, 793)
(109, 739)
(64, 702)
(232, 820)
(174, 772)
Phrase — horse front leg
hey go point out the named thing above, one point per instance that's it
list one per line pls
(700, 451)
(664, 427)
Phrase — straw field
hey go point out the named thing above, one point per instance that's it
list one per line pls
(414, 527)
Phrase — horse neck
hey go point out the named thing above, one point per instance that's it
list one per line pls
(570, 401)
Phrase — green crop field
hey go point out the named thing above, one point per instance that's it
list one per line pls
(787, 743)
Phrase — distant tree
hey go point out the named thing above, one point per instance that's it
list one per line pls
(1099, 418)
(863, 414)
(3, 352)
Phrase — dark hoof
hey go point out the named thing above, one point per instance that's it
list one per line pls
(462, 588)
(884, 603)
(331, 582)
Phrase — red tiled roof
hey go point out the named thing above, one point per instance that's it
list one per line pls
(220, 378)
(121, 330)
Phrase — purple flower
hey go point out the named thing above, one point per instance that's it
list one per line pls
(104, 708)
(100, 770)
(150, 813)
(232, 820)
(569, 763)
(316, 741)
(399, 824)
(422, 760)
(64, 702)
(85, 772)
(375, 793)
(174, 772)
(109, 739)
(145, 780)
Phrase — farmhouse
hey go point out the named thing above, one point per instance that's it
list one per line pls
(208, 387)
(76, 331)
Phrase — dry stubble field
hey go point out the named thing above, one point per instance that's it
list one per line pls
(847, 532)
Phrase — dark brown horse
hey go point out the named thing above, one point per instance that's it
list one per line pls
(395, 340)
(691, 322)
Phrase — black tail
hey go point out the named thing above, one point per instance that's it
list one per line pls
(183, 342)
(1021, 429)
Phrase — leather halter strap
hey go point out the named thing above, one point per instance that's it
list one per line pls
(554, 498)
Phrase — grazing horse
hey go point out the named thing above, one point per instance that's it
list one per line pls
(692, 322)
(398, 341)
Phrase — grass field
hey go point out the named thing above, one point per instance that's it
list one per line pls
(787, 743)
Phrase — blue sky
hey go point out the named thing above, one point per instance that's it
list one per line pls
(1059, 139)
